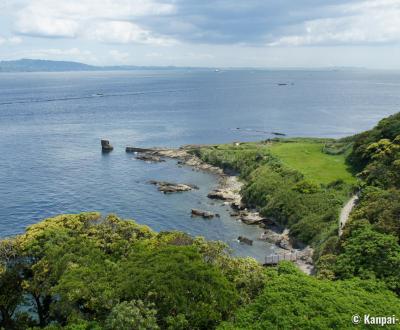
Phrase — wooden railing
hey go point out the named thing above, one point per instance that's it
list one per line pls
(274, 259)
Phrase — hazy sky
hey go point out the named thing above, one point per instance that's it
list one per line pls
(259, 33)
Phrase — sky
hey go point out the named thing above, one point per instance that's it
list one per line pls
(211, 33)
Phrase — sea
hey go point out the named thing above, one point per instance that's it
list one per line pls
(51, 125)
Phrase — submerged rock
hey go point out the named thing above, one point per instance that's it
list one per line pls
(204, 214)
(106, 146)
(150, 158)
(169, 188)
(245, 240)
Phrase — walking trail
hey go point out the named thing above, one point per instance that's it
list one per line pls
(345, 213)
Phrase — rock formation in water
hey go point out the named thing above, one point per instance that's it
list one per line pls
(204, 214)
(169, 188)
(222, 194)
(245, 240)
(150, 158)
(106, 146)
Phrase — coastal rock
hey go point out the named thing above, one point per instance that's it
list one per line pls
(106, 146)
(238, 205)
(182, 154)
(204, 214)
(245, 240)
(169, 188)
(251, 218)
(306, 255)
(270, 236)
(284, 241)
(150, 158)
(269, 223)
(135, 149)
(222, 194)
(305, 260)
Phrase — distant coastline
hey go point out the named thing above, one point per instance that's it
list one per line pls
(42, 65)
(33, 65)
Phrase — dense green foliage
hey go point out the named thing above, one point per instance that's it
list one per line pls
(367, 253)
(369, 247)
(292, 300)
(387, 129)
(86, 272)
(282, 192)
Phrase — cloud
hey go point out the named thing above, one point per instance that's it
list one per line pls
(219, 22)
(14, 40)
(46, 26)
(10, 40)
(124, 32)
(102, 20)
(283, 22)
(368, 22)
(233, 22)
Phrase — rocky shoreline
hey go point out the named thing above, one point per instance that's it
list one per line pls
(228, 193)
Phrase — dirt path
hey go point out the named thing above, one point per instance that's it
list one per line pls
(345, 213)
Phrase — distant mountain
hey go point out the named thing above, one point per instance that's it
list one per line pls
(29, 65)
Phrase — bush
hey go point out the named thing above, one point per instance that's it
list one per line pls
(292, 300)
(368, 254)
(132, 315)
(84, 272)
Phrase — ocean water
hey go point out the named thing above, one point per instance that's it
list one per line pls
(51, 125)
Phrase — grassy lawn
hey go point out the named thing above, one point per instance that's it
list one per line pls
(307, 157)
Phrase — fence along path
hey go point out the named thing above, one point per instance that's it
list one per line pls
(274, 259)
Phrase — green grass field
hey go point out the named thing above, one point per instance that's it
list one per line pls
(306, 156)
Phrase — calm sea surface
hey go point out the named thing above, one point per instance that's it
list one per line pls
(51, 125)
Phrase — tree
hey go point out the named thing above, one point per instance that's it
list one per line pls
(132, 315)
(381, 208)
(178, 281)
(383, 170)
(11, 292)
(368, 254)
(388, 128)
(292, 300)
(81, 271)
